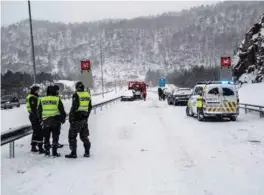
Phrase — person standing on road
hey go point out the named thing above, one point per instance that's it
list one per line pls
(79, 114)
(32, 103)
(59, 129)
(52, 115)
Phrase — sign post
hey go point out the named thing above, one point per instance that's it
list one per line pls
(86, 73)
(225, 70)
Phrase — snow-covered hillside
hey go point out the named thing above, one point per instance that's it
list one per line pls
(198, 36)
(249, 61)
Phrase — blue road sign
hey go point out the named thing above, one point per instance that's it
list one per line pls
(162, 82)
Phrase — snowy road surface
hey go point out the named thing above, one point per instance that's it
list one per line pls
(147, 148)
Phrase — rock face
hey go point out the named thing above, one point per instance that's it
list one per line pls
(249, 60)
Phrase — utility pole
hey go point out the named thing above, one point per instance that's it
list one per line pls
(101, 59)
(32, 44)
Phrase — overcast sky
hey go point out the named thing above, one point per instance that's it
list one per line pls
(80, 11)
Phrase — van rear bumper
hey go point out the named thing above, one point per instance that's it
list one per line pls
(221, 114)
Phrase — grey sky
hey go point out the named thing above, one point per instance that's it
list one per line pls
(80, 11)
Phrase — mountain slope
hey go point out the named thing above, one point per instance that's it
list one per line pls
(249, 60)
(198, 36)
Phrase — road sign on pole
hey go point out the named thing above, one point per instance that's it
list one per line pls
(86, 73)
(162, 82)
(225, 70)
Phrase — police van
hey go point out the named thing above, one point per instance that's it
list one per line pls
(219, 99)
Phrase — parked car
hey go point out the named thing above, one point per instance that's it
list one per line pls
(181, 96)
(128, 95)
(8, 102)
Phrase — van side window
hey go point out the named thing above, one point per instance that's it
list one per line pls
(228, 92)
(214, 91)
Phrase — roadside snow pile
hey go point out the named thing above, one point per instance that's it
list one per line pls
(249, 60)
(252, 94)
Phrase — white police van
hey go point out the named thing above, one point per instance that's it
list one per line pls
(220, 99)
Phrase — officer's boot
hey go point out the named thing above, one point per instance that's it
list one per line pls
(34, 148)
(47, 152)
(54, 152)
(41, 149)
(60, 145)
(87, 153)
(71, 155)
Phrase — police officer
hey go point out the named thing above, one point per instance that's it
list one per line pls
(78, 118)
(199, 105)
(52, 115)
(57, 93)
(32, 103)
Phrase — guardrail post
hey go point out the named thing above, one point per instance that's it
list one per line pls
(246, 109)
(261, 112)
(95, 111)
(12, 149)
(101, 107)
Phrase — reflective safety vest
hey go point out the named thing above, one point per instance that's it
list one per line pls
(50, 106)
(199, 102)
(27, 101)
(84, 100)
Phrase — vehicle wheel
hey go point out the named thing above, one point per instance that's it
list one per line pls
(200, 116)
(233, 118)
(18, 105)
(175, 103)
(187, 111)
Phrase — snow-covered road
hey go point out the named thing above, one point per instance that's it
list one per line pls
(147, 148)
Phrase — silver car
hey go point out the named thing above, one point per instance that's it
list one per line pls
(8, 102)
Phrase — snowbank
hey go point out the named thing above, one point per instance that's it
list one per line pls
(252, 93)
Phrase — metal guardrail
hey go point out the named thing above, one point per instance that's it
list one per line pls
(252, 107)
(64, 97)
(10, 136)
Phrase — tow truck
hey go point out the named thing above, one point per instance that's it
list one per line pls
(139, 88)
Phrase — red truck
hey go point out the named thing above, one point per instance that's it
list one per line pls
(139, 88)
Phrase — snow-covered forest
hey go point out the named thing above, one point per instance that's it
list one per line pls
(166, 42)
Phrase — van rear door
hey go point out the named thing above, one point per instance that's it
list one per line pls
(212, 98)
(229, 99)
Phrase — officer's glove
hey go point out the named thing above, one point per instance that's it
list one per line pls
(63, 121)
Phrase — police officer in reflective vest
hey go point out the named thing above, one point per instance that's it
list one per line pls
(199, 104)
(78, 118)
(32, 103)
(52, 114)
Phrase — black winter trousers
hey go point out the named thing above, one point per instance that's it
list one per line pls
(37, 136)
(80, 127)
(54, 130)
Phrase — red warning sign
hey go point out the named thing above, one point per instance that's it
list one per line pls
(225, 62)
(85, 65)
